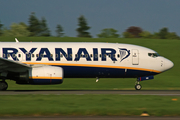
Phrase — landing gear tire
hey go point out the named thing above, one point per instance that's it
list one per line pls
(138, 87)
(3, 85)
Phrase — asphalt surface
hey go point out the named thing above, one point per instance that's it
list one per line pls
(82, 92)
(90, 118)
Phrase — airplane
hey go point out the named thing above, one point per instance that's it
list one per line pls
(45, 63)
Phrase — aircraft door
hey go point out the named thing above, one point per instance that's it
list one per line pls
(135, 57)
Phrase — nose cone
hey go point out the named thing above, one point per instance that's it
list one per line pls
(168, 64)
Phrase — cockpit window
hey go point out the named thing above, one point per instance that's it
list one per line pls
(154, 55)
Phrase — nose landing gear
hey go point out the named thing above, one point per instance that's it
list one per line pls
(137, 85)
(3, 85)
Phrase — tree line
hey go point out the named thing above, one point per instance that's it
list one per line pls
(137, 32)
(39, 27)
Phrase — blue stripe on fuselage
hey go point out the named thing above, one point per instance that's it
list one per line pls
(92, 72)
(44, 81)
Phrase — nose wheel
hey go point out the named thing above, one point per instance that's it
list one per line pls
(137, 86)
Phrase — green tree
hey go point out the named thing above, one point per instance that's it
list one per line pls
(83, 27)
(38, 27)
(17, 30)
(108, 33)
(172, 35)
(133, 31)
(59, 31)
(34, 25)
(145, 34)
(44, 30)
(163, 33)
(1, 31)
(127, 35)
(155, 35)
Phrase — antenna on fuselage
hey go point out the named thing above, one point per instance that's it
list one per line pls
(16, 40)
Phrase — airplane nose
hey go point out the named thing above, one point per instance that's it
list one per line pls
(169, 64)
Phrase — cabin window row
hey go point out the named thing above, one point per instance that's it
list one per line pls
(61, 55)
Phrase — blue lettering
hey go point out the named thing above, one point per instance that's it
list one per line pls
(109, 52)
(47, 55)
(59, 52)
(95, 54)
(10, 51)
(67, 55)
(28, 54)
(82, 53)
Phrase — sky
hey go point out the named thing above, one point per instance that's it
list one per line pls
(150, 15)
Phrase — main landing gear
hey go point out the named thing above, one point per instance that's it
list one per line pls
(137, 85)
(3, 85)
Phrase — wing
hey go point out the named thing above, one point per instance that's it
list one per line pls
(12, 66)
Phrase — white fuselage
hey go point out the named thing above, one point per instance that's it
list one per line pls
(89, 59)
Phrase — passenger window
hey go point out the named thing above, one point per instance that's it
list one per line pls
(19, 55)
(61, 55)
(37, 55)
(51, 55)
(13, 55)
(91, 55)
(118, 55)
(32, 55)
(76, 55)
(96, 55)
(70, 55)
(100, 55)
(86, 55)
(28, 55)
(109, 55)
(56, 55)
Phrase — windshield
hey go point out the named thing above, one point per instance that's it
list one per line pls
(154, 55)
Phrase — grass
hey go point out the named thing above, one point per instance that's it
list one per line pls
(76, 105)
(104, 84)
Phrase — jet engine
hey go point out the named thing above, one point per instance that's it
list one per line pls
(40, 75)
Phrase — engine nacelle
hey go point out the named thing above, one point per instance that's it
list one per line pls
(41, 75)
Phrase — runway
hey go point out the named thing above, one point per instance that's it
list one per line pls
(89, 118)
(83, 92)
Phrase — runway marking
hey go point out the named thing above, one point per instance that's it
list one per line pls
(87, 118)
